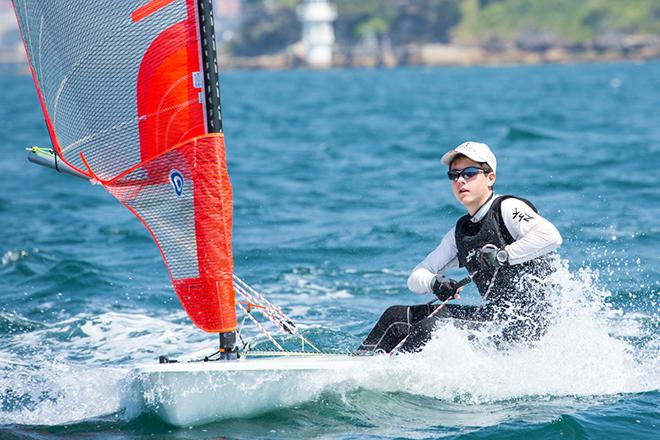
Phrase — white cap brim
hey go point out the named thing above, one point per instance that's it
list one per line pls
(476, 151)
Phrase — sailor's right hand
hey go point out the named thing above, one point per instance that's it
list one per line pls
(444, 288)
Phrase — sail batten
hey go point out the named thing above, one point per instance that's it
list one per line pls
(144, 11)
(124, 88)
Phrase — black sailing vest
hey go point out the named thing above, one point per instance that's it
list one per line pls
(511, 285)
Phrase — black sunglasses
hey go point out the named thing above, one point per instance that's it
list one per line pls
(467, 173)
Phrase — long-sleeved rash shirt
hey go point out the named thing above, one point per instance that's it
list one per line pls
(534, 236)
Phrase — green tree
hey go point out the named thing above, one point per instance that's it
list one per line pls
(568, 21)
(403, 21)
(267, 26)
(356, 19)
(425, 21)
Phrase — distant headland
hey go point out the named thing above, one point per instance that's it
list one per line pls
(389, 33)
(277, 34)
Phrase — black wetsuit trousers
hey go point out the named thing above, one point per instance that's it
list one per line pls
(398, 322)
(521, 322)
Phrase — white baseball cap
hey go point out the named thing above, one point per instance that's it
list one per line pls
(476, 151)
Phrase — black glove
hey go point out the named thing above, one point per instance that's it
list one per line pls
(444, 288)
(491, 256)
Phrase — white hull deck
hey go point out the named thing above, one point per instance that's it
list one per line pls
(197, 393)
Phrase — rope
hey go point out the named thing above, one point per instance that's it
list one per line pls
(261, 327)
(490, 287)
(462, 283)
(274, 314)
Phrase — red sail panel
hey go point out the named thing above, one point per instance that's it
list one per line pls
(170, 108)
(122, 86)
(198, 268)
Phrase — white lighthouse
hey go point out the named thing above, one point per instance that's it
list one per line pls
(318, 36)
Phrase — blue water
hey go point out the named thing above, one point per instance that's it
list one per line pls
(338, 193)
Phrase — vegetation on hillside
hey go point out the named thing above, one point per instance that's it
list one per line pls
(272, 25)
(402, 21)
(267, 26)
(556, 22)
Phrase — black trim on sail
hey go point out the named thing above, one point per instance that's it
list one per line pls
(210, 61)
(227, 341)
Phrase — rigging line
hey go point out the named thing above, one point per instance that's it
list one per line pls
(286, 321)
(261, 327)
(306, 341)
(465, 281)
(273, 319)
(240, 329)
(246, 344)
(490, 287)
(275, 315)
(210, 357)
(55, 161)
(251, 300)
(266, 312)
(272, 312)
(253, 292)
(300, 336)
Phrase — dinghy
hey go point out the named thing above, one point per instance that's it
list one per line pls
(131, 98)
(195, 393)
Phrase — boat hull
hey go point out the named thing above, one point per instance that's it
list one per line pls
(197, 393)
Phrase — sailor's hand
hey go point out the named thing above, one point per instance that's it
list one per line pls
(445, 288)
(492, 256)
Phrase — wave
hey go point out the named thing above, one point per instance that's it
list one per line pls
(76, 369)
(519, 132)
(72, 275)
(579, 356)
(84, 369)
(11, 323)
(11, 257)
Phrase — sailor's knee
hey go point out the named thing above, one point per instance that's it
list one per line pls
(420, 334)
(426, 325)
(396, 311)
(393, 314)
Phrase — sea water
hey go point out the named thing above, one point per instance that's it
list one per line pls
(338, 193)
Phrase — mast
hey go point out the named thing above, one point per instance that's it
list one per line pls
(227, 340)
(210, 64)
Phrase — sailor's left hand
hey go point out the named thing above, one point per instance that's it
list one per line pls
(445, 289)
(492, 256)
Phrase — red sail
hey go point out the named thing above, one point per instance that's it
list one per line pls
(124, 88)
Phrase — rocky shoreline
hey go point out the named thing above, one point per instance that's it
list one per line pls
(428, 55)
(450, 55)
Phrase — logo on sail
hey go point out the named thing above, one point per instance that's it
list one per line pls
(176, 178)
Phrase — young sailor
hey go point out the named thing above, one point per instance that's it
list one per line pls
(506, 247)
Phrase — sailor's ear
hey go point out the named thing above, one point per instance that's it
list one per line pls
(491, 178)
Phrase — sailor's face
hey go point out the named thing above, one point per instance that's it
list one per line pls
(473, 191)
